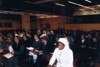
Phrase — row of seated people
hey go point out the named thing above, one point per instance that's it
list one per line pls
(85, 46)
(22, 51)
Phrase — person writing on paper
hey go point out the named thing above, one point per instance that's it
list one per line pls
(63, 54)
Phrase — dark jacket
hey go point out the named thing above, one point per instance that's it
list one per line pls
(48, 48)
(37, 45)
(85, 43)
(18, 49)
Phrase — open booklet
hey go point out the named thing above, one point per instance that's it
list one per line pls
(8, 55)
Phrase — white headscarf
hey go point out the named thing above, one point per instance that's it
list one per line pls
(66, 56)
(65, 42)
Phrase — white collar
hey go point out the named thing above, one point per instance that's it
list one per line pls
(37, 40)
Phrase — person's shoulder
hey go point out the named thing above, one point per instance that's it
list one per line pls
(39, 41)
(56, 49)
(70, 51)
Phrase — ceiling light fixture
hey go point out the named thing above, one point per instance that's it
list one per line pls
(75, 3)
(80, 5)
(88, 1)
(10, 12)
(42, 1)
(60, 4)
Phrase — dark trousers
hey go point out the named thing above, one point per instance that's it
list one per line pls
(12, 62)
(1, 60)
(43, 60)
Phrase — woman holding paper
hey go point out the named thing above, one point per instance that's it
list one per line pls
(8, 56)
(13, 52)
(18, 50)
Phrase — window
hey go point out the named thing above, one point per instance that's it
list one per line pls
(5, 24)
(8, 24)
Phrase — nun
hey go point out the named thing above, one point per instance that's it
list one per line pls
(63, 55)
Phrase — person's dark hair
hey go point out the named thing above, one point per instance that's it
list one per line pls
(45, 38)
(84, 35)
(61, 43)
(17, 38)
(9, 38)
(36, 35)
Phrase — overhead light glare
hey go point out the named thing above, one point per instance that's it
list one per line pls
(88, 1)
(80, 5)
(75, 3)
(60, 4)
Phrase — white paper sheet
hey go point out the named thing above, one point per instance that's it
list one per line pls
(34, 55)
(8, 55)
(30, 48)
(10, 49)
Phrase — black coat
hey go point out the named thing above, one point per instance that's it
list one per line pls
(3, 45)
(18, 54)
(37, 45)
(85, 43)
(48, 48)
(18, 49)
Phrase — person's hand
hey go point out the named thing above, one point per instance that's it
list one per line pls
(83, 46)
(49, 66)
(1, 50)
(36, 50)
(40, 52)
(12, 52)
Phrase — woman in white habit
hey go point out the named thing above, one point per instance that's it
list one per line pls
(63, 54)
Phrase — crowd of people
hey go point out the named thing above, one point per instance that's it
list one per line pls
(35, 47)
